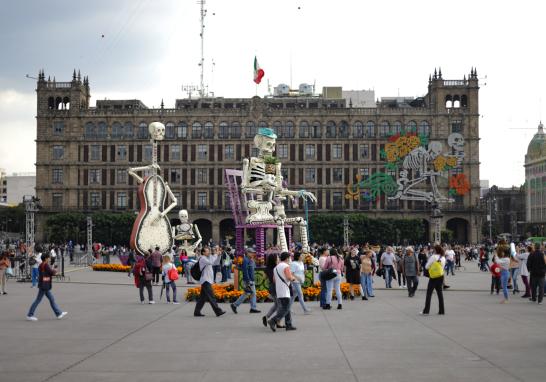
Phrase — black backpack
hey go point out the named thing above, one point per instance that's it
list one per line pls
(196, 271)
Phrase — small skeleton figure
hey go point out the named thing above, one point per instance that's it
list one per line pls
(187, 232)
(265, 181)
(419, 160)
(456, 142)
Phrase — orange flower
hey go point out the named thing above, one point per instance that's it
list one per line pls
(459, 183)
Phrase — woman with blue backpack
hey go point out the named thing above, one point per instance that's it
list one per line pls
(435, 269)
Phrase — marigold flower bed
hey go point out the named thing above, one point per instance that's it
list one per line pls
(117, 268)
(226, 293)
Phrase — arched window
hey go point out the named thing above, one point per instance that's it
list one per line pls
(208, 130)
(411, 127)
(117, 130)
(358, 129)
(58, 103)
(424, 128)
(289, 129)
(51, 103)
(102, 131)
(250, 131)
(343, 129)
(90, 131)
(66, 103)
(128, 127)
(223, 130)
(304, 129)
(169, 130)
(316, 130)
(235, 130)
(263, 124)
(182, 130)
(277, 128)
(449, 102)
(196, 132)
(142, 130)
(330, 129)
(384, 129)
(396, 127)
(370, 129)
(456, 101)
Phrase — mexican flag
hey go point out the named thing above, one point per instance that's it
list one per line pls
(258, 72)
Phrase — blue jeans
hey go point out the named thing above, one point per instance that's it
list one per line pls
(514, 272)
(388, 275)
(168, 287)
(283, 311)
(504, 282)
(366, 282)
(330, 286)
(251, 293)
(296, 287)
(51, 299)
(449, 267)
(35, 274)
(322, 292)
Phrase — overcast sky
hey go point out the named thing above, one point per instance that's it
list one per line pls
(150, 49)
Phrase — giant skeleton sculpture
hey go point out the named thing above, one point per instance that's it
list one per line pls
(265, 182)
(187, 232)
(152, 227)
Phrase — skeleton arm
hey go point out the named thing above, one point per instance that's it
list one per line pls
(245, 182)
(283, 192)
(173, 198)
(198, 235)
(133, 171)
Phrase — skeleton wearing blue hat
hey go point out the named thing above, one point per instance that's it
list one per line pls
(263, 180)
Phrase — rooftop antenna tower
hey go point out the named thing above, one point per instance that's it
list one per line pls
(203, 13)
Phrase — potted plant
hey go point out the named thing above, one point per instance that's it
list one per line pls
(270, 164)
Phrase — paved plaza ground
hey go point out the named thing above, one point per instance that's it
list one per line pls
(109, 336)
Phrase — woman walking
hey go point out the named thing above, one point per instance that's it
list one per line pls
(45, 283)
(298, 270)
(4, 265)
(435, 266)
(352, 272)
(514, 272)
(503, 260)
(143, 277)
(366, 274)
(334, 262)
(523, 271)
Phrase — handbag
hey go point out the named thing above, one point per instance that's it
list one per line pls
(380, 272)
(327, 274)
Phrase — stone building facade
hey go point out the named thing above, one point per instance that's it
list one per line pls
(535, 179)
(83, 152)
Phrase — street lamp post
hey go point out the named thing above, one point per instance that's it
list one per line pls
(490, 217)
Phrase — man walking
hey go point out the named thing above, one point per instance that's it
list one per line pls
(536, 264)
(207, 294)
(249, 287)
(410, 268)
(283, 277)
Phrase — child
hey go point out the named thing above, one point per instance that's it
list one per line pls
(169, 282)
(495, 275)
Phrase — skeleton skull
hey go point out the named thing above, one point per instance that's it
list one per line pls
(157, 131)
(183, 216)
(434, 149)
(456, 141)
(266, 145)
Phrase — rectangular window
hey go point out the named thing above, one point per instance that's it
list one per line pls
(94, 176)
(175, 176)
(337, 174)
(178, 196)
(148, 153)
(202, 176)
(309, 151)
(282, 151)
(58, 128)
(94, 199)
(202, 151)
(254, 152)
(201, 200)
(57, 200)
(229, 152)
(175, 152)
(338, 200)
(364, 151)
(182, 131)
(121, 177)
(337, 151)
(122, 200)
(58, 152)
(57, 176)
(122, 152)
(95, 152)
(456, 126)
(364, 173)
(310, 175)
(284, 173)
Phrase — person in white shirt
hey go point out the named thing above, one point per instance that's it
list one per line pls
(205, 263)
(283, 277)
(388, 259)
(523, 271)
(450, 260)
(169, 284)
(35, 261)
(298, 270)
(435, 283)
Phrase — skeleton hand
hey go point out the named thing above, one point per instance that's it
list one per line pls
(306, 195)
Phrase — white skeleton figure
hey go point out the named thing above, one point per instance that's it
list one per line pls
(456, 142)
(187, 232)
(157, 133)
(420, 160)
(269, 187)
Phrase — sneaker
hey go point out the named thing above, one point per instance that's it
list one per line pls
(220, 313)
(176, 303)
(255, 311)
(264, 321)
(31, 318)
(339, 306)
(371, 295)
(423, 313)
(198, 315)
(60, 316)
(290, 328)
(540, 303)
(151, 302)
(364, 298)
(143, 302)
(272, 325)
(233, 308)
(401, 287)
